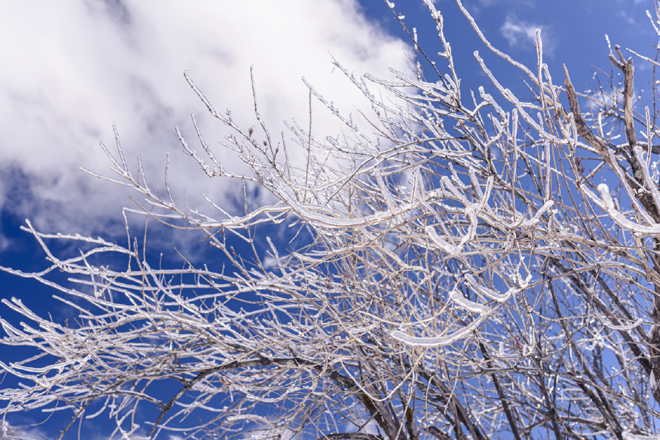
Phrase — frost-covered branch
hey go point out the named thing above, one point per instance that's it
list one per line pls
(456, 266)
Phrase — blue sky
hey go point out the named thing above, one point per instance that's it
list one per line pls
(72, 68)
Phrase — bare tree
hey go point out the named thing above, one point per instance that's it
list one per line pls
(462, 272)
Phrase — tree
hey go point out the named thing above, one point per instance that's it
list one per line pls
(462, 273)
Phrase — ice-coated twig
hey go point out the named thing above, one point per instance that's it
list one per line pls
(607, 203)
(627, 435)
(438, 341)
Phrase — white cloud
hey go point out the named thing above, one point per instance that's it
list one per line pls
(20, 432)
(522, 34)
(77, 66)
(623, 14)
